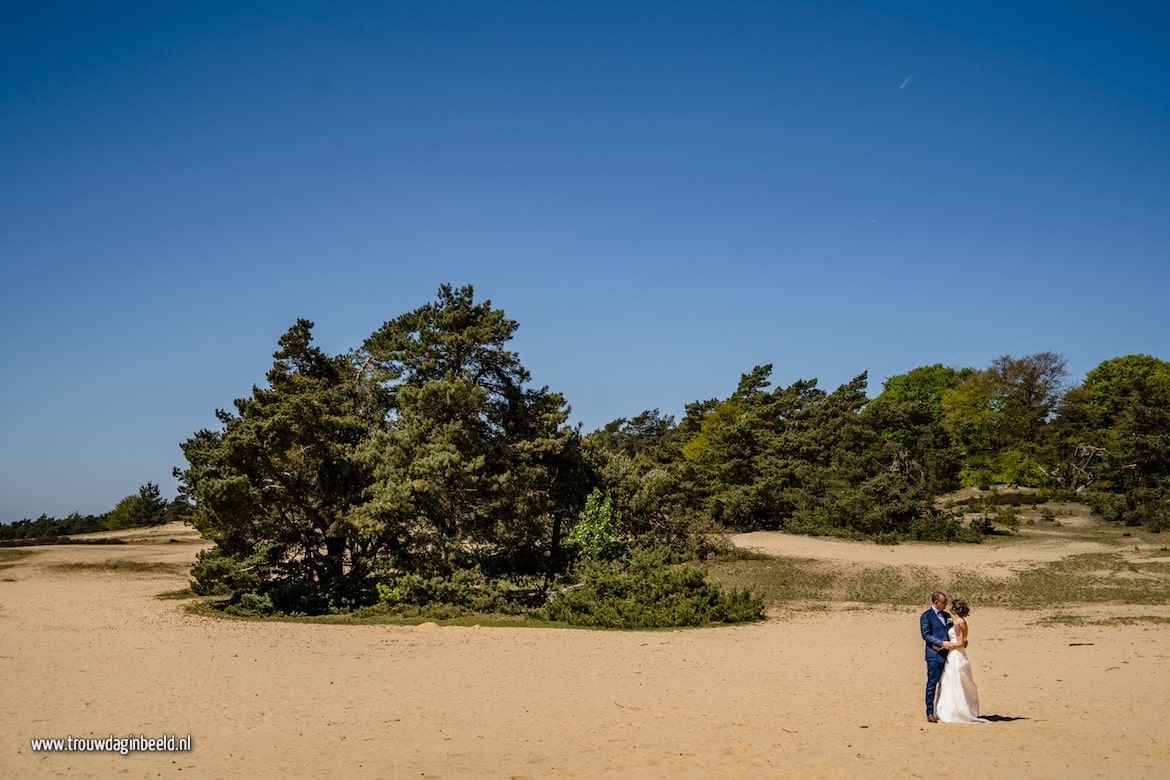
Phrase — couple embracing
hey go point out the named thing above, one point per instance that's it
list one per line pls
(951, 695)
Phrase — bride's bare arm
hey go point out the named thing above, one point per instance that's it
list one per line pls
(960, 632)
(960, 635)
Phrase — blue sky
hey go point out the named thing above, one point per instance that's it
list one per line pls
(664, 195)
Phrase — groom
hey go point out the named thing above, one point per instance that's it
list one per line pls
(934, 623)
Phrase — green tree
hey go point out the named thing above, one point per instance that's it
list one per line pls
(146, 507)
(637, 461)
(775, 458)
(1128, 401)
(907, 418)
(1027, 393)
(646, 435)
(278, 488)
(1121, 415)
(1000, 417)
(472, 468)
(420, 467)
(424, 453)
(923, 385)
(733, 466)
(597, 534)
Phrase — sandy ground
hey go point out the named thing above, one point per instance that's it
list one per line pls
(89, 652)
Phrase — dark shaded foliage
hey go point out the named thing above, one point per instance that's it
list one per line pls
(644, 592)
(45, 527)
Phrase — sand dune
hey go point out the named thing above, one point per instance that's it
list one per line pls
(88, 650)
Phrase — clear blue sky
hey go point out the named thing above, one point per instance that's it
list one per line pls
(664, 195)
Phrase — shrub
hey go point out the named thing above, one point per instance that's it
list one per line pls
(464, 590)
(1007, 515)
(1143, 506)
(942, 527)
(645, 593)
(685, 536)
(252, 604)
(217, 574)
(597, 533)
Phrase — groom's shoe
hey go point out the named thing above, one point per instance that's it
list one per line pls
(931, 719)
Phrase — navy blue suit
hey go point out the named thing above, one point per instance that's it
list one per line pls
(934, 632)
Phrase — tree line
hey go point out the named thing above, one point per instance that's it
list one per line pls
(147, 507)
(423, 467)
(804, 460)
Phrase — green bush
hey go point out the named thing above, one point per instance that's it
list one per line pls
(217, 574)
(466, 590)
(1007, 515)
(685, 536)
(943, 527)
(250, 604)
(597, 533)
(1143, 506)
(645, 593)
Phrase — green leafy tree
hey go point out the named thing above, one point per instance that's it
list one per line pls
(970, 420)
(597, 534)
(1119, 422)
(911, 440)
(1000, 417)
(1027, 392)
(924, 385)
(1128, 400)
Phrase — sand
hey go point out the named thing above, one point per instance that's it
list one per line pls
(87, 651)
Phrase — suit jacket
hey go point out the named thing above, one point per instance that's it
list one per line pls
(934, 632)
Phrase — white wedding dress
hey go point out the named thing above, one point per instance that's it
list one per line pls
(957, 698)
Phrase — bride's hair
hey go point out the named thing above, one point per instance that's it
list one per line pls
(960, 608)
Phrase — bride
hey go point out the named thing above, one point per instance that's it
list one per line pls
(957, 700)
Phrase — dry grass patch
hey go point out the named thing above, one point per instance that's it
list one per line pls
(177, 595)
(124, 567)
(1094, 578)
(12, 557)
(1067, 619)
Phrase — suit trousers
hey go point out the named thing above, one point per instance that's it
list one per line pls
(934, 670)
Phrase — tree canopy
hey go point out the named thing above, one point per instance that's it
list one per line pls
(423, 453)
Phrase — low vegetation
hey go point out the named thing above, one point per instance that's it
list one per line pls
(115, 566)
(648, 593)
(10, 558)
(1121, 577)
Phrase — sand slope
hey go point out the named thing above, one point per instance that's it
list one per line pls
(91, 651)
